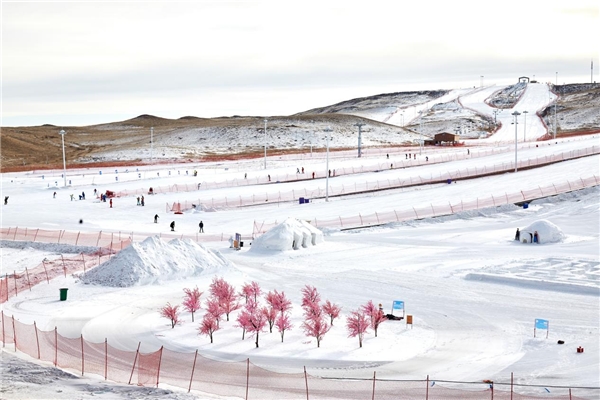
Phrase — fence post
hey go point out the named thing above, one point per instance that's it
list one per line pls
(15, 280)
(36, 233)
(15, 235)
(247, 376)
(373, 396)
(193, 369)
(37, 340)
(105, 359)
(55, 347)
(3, 336)
(82, 356)
(77, 238)
(306, 382)
(83, 261)
(46, 271)
(28, 282)
(98, 240)
(511, 386)
(14, 332)
(427, 389)
(159, 362)
(137, 352)
(570, 394)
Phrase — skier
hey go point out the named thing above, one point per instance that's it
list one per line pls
(388, 156)
(5, 200)
(313, 175)
(142, 201)
(110, 203)
(72, 197)
(518, 235)
(95, 191)
(156, 218)
(138, 200)
(54, 195)
(302, 169)
(83, 195)
(172, 226)
(297, 170)
(201, 225)
(426, 158)
(245, 175)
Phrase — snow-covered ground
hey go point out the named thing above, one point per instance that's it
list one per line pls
(473, 291)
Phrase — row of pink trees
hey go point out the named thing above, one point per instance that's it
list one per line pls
(254, 317)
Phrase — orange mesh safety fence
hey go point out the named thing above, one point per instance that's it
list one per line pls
(147, 368)
(109, 240)
(294, 195)
(69, 353)
(15, 283)
(436, 210)
(120, 365)
(221, 378)
(242, 379)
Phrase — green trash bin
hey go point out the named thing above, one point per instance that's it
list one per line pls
(63, 294)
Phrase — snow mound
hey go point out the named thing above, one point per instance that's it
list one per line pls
(291, 234)
(153, 261)
(547, 232)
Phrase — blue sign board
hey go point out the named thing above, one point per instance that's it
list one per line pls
(541, 323)
(398, 305)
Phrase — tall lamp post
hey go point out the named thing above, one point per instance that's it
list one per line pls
(327, 167)
(360, 125)
(151, 144)
(525, 126)
(265, 143)
(62, 134)
(516, 114)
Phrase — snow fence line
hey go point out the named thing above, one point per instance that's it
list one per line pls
(439, 210)
(15, 283)
(356, 188)
(243, 379)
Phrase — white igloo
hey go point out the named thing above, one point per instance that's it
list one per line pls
(546, 230)
(291, 234)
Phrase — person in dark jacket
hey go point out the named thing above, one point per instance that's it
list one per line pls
(172, 226)
(201, 225)
(518, 235)
(156, 218)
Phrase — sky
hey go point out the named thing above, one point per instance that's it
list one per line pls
(83, 63)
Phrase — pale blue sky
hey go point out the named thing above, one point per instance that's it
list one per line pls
(75, 63)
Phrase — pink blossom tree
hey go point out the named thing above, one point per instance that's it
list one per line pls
(251, 290)
(252, 319)
(208, 326)
(375, 315)
(310, 302)
(283, 324)
(191, 301)
(214, 308)
(225, 293)
(270, 314)
(331, 309)
(172, 313)
(279, 301)
(357, 324)
(315, 326)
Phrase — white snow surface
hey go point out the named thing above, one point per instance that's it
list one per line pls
(473, 290)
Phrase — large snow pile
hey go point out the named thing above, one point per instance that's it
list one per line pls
(547, 232)
(153, 261)
(290, 234)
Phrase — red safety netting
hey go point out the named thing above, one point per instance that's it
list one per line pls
(238, 379)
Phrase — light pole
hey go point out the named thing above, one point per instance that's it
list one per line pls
(481, 83)
(151, 144)
(360, 125)
(516, 114)
(265, 143)
(525, 126)
(327, 130)
(62, 134)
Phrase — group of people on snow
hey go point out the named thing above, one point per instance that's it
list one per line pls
(533, 237)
